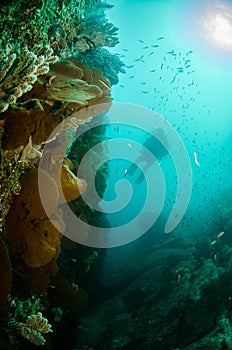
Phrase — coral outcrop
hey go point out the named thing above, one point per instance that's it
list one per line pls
(36, 241)
(42, 82)
(67, 88)
(20, 70)
(34, 327)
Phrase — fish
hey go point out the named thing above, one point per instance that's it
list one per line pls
(139, 59)
(131, 66)
(129, 144)
(141, 41)
(190, 51)
(174, 78)
(145, 47)
(160, 38)
(195, 159)
(125, 172)
(153, 70)
(154, 45)
(170, 52)
(220, 234)
(131, 77)
(144, 92)
(104, 83)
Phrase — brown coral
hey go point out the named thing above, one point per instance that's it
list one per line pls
(43, 244)
(69, 87)
(33, 238)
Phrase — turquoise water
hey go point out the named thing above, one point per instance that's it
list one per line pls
(169, 291)
(173, 69)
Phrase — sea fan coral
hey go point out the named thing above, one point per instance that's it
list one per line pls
(92, 35)
(100, 58)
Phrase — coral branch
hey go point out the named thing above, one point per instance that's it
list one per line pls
(20, 70)
(34, 326)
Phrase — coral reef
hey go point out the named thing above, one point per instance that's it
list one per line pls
(42, 82)
(92, 35)
(36, 240)
(100, 58)
(33, 327)
(20, 70)
(74, 86)
(69, 25)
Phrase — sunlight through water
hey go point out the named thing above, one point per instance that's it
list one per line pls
(219, 29)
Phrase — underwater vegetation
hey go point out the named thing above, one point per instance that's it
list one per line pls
(100, 58)
(43, 32)
(171, 293)
(42, 82)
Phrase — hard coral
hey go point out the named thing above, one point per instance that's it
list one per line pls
(34, 327)
(20, 70)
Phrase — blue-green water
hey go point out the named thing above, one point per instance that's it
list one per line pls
(170, 291)
(173, 69)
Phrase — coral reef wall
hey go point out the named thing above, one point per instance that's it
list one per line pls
(53, 63)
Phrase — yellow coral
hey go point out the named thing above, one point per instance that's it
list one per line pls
(34, 326)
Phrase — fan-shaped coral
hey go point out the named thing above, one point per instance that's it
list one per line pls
(67, 88)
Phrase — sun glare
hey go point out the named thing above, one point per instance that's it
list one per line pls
(218, 27)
